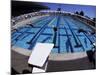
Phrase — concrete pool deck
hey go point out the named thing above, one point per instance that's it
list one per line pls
(53, 56)
(67, 56)
(20, 62)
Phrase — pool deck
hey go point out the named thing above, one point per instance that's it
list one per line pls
(20, 62)
(67, 56)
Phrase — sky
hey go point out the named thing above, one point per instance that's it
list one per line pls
(89, 10)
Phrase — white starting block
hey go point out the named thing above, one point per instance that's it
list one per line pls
(37, 70)
(39, 56)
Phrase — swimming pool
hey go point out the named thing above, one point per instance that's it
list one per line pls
(68, 34)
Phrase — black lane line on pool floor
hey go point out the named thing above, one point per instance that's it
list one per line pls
(34, 39)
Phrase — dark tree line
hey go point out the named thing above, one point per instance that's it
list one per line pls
(94, 19)
(80, 13)
(83, 14)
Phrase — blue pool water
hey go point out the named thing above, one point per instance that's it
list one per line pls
(60, 30)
